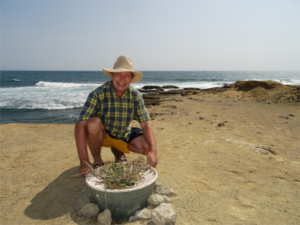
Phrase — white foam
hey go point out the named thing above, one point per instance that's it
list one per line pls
(201, 85)
(40, 97)
(61, 84)
(58, 95)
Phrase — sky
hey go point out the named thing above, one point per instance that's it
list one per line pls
(224, 35)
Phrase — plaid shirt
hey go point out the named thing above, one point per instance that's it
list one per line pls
(115, 113)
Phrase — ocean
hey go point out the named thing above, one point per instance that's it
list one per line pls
(57, 96)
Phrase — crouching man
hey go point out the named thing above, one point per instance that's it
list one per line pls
(105, 119)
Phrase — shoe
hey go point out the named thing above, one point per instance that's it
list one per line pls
(97, 165)
(119, 156)
(122, 159)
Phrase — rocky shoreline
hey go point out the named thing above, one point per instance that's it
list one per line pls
(261, 91)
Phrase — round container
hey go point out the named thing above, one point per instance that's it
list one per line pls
(123, 203)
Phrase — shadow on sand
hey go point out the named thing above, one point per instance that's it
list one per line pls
(58, 199)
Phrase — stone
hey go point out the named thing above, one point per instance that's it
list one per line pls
(158, 182)
(104, 218)
(155, 199)
(222, 124)
(269, 149)
(169, 86)
(191, 89)
(163, 215)
(90, 210)
(151, 87)
(84, 199)
(132, 219)
(167, 199)
(150, 207)
(285, 117)
(164, 190)
(201, 118)
(255, 83)
(143, 214)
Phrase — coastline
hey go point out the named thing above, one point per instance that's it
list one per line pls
(219, 172)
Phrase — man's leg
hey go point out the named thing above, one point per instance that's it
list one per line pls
(119, 156)
(95, 136)
(139, 145)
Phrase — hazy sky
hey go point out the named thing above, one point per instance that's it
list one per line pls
(157, 35)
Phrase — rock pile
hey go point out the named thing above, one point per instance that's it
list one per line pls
(159, 210)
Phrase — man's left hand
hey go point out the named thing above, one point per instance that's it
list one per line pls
(152, 159)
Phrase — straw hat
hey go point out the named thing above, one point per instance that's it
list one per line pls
(123, 64)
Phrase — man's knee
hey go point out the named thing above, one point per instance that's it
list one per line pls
(142, 147)
(94, 125)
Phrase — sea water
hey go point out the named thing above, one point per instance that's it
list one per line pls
(57, 96)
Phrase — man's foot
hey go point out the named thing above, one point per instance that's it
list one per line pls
(122, 159)
(119, 156)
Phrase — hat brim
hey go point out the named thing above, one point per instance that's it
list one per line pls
(136, 78)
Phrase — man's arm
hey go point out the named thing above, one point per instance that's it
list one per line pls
(80, 136)
(149, 136)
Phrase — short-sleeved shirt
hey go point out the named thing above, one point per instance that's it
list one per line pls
(115, 113)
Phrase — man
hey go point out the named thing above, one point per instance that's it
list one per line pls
(106, 115)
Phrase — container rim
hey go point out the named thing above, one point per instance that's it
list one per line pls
(90, 178)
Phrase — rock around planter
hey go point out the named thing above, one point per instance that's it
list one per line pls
(122, 203)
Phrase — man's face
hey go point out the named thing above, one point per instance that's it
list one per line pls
(121, 80)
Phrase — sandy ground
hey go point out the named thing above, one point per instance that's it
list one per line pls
(219, 175)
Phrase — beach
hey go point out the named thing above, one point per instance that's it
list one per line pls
(232, 156)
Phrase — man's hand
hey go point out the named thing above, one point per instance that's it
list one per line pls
(152, 159)
(84, 170)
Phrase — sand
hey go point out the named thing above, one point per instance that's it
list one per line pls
(218, 174)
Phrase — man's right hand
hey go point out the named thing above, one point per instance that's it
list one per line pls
(84, 170)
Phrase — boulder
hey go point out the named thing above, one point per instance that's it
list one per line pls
(169, 87)
(151, 99)
(192, 89)
(151, 87)
(255, 83)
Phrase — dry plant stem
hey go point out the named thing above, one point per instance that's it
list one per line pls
(116, 175)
